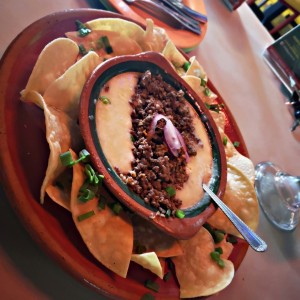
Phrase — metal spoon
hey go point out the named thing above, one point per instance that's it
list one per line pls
(251, 237)
(168, 15)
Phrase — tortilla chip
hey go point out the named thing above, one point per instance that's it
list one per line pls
(219, 118)
(240, 197)
(125, 28)
(195, 83)
(172, 54)
(121, 45)
(53, 61)
(195, 69)
(64, 93)
(109, 237)
(60, 130)
(197, 274)
(241, 162)
(155, 38)
(153, 240)
(149, 261)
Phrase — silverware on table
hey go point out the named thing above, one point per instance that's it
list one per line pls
(167, 15)
(181, 8)
(251, 237)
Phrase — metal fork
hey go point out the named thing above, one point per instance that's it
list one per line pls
(172, 17)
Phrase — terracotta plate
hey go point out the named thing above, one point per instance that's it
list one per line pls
(24, 155)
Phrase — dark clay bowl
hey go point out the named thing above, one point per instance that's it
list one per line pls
(196, 215)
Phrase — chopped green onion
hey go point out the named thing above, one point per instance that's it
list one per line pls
(168, 213)
(82, 50)
(104, 100)
(101, 204)
(132, 138)
(67, 159)
(105, 42)
(219, 249)
(221, 263)
(231, 239)
(203, 82)
(86, 195)
(167, 276)
(179, 214)
(218, 236)
(85, 216)
(215, 255)
(225, 140)
(186, 65)
(154, 286)
(236, 144)
(84, 156)
(82, 29)
(207, 91)
(148, 296)
(117, 208)
(170, 191)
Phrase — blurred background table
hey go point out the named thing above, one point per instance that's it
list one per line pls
(231, 55)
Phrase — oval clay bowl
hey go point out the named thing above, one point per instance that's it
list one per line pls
(196, 215)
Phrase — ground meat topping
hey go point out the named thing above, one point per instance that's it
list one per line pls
(154, 168)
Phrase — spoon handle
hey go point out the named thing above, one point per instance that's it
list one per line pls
(251, 237)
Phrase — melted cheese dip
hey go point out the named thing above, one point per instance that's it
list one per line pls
(113, 122)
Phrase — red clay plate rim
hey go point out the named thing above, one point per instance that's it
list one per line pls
(12, 175)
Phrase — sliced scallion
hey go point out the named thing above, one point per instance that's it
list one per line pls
(203, 82)
(225, 140)
(66, 159)
(170, 191)
(82, 49)
(82, 29)
(236, 144)
(105, 41)
(154, 286)
(186, 65)
(207, 91)
(147, 296)
(179, 214)
(85, 216)
(86, 195)
(104, 100)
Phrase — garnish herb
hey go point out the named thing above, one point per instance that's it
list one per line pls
(215, 255)
(85, 215)
(104, 100)
(236, 144)
(219, 249)
(215, 107)
(104, 42)
(167, 276)
(170, 191)
(207, 91)
(217, 235)
(148, 296)
(82, 50)
(82, 29)
(179, 214)
(186, 65)
(101, 204)
(203, 82)
(168, 213)
(231, 239)
(67, 159)
(86, 195)
(154, 286)
(225, 140)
